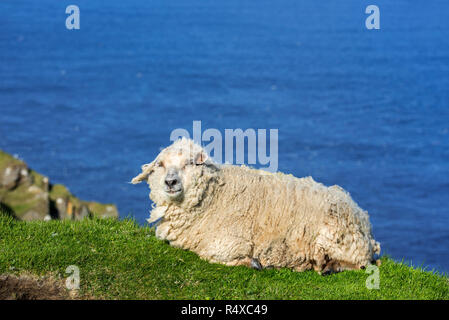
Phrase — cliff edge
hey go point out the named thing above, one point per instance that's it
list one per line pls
(28, 195)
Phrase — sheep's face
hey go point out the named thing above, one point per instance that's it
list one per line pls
(175, 172)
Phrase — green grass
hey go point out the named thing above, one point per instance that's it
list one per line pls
(7, 159)
(121, 260)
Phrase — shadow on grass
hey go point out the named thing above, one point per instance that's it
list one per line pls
(7, 211)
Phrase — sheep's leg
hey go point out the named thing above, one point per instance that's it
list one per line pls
(229, 250)
(255, 264)
(335, 266)
(247, 262)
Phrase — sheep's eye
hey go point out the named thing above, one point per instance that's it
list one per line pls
(187, 163)
(159, 164)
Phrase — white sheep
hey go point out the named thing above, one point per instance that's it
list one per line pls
(236, 215)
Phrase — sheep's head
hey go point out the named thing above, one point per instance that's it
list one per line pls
(177, 173)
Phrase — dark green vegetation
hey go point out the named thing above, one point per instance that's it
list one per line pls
(121, 260)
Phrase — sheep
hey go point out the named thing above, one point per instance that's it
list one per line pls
(236, 215)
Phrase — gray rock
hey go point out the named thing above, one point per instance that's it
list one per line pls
(10, 177)
(33, 215)
(82, 213)
(61, 208)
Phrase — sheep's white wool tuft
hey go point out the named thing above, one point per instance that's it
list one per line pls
(235, 214)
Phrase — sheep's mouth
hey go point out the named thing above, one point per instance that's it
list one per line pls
(173, 192)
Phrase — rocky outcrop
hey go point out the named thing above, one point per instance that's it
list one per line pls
(67, 206)
(28, 195)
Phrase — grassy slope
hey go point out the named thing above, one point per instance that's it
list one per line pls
(121, 260)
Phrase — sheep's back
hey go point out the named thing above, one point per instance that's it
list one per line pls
(276, 206)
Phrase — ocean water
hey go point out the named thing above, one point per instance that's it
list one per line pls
(367, 110)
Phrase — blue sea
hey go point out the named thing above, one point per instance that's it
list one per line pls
(365, 109)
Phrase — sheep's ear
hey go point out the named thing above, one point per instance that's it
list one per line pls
(147, 169)
(201, 157)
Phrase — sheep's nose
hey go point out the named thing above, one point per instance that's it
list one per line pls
(171, 181)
